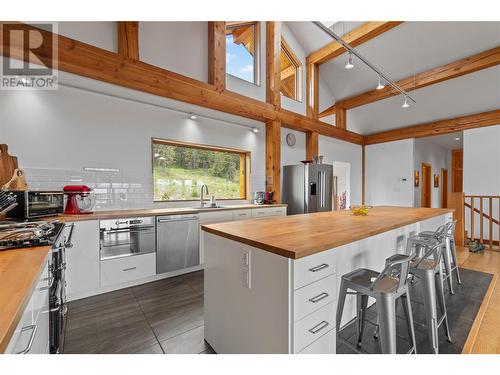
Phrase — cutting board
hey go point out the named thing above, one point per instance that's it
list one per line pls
(8, 164)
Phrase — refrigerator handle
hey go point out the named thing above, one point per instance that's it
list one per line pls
(322, 188)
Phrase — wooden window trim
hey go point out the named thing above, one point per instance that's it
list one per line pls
(285, 48)
(257, 44)
(245, 161)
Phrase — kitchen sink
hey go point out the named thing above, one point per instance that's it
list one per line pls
(209, 207)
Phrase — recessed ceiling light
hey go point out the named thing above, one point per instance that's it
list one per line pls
(349, 64)
(255, 130)
(192, 116)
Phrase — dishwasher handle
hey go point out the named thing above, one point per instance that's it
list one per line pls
(170, 219)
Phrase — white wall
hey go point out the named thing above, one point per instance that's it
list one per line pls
(482, 161)
(438, 157)
(389, 173)
(100, 34)
(295, 154)
(55, 134)
(181, 47)
(336, 150)
(482, 173)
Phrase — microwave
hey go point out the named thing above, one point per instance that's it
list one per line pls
(32, 204)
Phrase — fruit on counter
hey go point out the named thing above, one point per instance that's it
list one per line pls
(360, 211)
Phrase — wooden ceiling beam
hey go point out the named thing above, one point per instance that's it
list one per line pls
(217, 54)
(273, 67)
(312, 90)
(440, 127)
(312, 145)
(96, 63)
(341, 118)
(128, 39)
(360, 35)
(471, 64)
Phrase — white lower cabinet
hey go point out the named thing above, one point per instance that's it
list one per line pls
(313, 326)
(82, 259)
(122, 270)
(314, 296)
(242, 214)
(268, 211)
(326, 344)
(31, 335)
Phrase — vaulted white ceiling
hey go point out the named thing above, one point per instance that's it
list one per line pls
(401, 52)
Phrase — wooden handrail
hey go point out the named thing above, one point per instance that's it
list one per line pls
(484, 214)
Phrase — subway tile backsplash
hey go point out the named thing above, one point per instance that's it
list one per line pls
(113, 190)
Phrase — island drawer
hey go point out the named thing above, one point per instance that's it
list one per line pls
(313, 326)
(314, 296)
(121, 270)
(326, 344)
(313, 268)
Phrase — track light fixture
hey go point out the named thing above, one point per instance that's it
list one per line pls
(255, 129)
(192, 116)
(349, 64)
(352, 51)
(380, 86)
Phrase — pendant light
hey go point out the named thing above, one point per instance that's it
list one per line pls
(405, 104)
(380, 86)
(349, 64)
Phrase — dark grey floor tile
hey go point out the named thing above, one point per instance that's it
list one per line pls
(190, 342)
(195, 281)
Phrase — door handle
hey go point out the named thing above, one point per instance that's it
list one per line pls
(319, 327)
(33, 329)
(319, 297)
(130, 269)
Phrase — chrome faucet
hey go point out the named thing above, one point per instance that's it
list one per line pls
(202, 202)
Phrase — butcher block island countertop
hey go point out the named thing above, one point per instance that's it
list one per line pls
(19, 271)
(298, 236)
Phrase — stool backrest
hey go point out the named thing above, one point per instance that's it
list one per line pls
(397, 269)
(425, 248)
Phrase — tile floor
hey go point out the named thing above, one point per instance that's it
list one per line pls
(164, 316)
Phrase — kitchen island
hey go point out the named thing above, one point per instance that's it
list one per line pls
(271, 284)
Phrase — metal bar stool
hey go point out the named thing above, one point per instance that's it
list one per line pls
(426, 266)
(447, 232)
(386, 287)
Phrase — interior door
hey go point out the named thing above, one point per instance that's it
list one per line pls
(457, 160)
(426, 192)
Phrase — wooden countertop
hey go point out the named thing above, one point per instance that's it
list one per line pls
(20, 270)
(102, 215)
(298, 236)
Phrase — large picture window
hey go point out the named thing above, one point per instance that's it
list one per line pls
(180, 169)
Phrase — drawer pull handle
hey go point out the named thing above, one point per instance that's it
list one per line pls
(319, 327)
(319, 297)
(319, 268)
(33, 329)
(129, 269)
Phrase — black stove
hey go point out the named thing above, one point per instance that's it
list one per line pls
(23, 234)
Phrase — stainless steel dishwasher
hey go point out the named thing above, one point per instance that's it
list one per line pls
(177, 242)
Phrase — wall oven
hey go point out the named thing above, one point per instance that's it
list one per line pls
(127, 237)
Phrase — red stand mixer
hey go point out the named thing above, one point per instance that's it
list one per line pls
(80, 199)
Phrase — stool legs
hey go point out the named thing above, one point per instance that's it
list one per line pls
(340, 304)
(409, 318)
(429, 297)
(442, 304)
(386, 311)
(362, 306)
(447, 264)
(454, 258)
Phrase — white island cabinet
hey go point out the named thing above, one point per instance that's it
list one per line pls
(271, 285)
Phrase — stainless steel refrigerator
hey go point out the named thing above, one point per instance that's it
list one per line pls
(307, 188)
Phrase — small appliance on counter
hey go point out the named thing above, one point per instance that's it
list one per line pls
(259, 197)
(81, 199)
(32, 204)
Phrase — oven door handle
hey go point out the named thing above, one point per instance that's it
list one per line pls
(68, 244)
(129, 230)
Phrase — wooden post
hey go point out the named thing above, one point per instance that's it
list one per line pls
(273, 158)
(273, 68)
(217, 54)
(340, 118)
(363, 173)
(128, 39)
(312, 144)
(457, 202)
(312, 90)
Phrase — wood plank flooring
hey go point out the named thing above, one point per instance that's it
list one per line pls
(164, 316)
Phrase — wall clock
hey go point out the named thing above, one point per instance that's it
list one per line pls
(290, 139)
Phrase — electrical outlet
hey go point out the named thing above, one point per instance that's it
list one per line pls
(246, 270)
